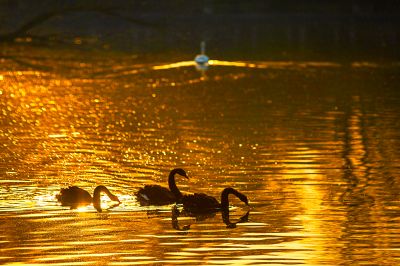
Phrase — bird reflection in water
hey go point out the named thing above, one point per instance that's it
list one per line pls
(202, 217)
(229, 224)
(75, 197)
(175, 222)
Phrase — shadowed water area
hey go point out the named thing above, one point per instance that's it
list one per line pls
(315, 146)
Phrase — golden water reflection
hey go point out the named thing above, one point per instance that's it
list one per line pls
(313, 145)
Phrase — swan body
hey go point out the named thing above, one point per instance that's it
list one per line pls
(75, 197)
(202, 58)
(202, 203)
(158, 195)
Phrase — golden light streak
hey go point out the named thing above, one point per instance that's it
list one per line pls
(273, 64)
(236, 64)
(174, 65)
(311, 199)
(140, 68)
(256, 64)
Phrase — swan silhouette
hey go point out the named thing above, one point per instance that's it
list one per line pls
(202, 203)
(202, 59)
(158, 195)
(75, 197)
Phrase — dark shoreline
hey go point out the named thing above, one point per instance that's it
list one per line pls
(257, 30)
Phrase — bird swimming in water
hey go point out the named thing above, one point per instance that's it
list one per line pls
(158, 195)
(202, 59)
(75, 197)
(202, 203)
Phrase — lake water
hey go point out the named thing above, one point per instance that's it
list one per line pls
(314, 145)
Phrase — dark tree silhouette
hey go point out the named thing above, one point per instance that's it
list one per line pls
(22, 31)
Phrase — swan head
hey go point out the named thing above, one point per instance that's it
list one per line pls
(114, 198)
(96, 197)
(97, 204)
(225, 193)
(181, 172)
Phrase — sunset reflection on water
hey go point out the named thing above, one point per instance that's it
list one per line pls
(314, 146)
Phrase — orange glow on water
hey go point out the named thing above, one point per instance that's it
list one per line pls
(313, 148)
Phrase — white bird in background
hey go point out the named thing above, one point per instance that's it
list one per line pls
(202, 59)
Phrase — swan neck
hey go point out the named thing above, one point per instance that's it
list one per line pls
(172, 185)
(97, 194)
(225, 216)
(225, 198)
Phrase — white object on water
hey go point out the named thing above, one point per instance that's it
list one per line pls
(202, 59)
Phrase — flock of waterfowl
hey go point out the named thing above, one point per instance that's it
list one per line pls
(157, 195)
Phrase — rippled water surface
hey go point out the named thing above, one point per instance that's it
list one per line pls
(314, 145)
